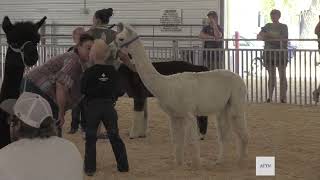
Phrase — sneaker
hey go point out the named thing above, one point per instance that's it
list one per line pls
(72, 131)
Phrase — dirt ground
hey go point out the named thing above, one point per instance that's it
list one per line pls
(288, 132)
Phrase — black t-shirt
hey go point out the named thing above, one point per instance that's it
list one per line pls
(101, 81)
(212, 44)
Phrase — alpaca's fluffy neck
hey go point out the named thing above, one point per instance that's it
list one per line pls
(151, 78)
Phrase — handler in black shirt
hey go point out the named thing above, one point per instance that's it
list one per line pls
(100, 85)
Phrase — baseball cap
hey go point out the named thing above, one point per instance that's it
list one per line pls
(31, 108)
(212, 13)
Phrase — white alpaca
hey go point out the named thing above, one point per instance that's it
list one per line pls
(183, 96)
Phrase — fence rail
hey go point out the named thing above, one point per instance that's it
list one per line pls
(302, 70)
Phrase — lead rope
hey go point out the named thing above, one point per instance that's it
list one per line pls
(20, 50)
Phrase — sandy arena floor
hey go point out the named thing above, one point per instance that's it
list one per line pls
(288, 132)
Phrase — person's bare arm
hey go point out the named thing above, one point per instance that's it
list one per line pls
(265, 36)
(61, 95)
(217, 33)
(204, 35)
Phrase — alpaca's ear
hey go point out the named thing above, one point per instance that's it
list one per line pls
(40, 23)
(6, 24)
(120, 27)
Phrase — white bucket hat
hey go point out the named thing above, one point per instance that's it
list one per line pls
(31, 108)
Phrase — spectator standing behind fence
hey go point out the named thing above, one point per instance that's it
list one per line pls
(278, 58)
(317, 32)
(38, 154)
(58, 80)
(76, 115)
(100, 85)
(212, 32)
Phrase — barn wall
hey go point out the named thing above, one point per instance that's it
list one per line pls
(129, 11)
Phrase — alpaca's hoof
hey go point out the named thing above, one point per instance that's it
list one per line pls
(202, 136)
(219, 161)
(133, 135)
(315, 96)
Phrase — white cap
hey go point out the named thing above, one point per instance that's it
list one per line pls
(31, 108)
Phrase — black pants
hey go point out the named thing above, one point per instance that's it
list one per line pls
(97, 110)
(77, 116)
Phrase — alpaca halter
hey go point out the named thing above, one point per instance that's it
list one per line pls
(20, 50)
(129, 42)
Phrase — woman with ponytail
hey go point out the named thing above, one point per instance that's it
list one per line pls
(101, 30)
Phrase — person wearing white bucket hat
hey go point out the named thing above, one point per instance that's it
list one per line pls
(38, 154)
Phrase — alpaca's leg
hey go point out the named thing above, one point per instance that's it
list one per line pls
(145, 117)
(178, 138)
(203, 125)
(238, 121)
(192, 136)
(224, 132)
(240, 128)
(139, 123)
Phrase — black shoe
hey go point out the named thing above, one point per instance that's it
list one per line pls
(89, 172)
(123, 170)
(72, 131)
(283, 101)
(268, 100)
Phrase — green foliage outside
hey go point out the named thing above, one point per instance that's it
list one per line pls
(267, 6)
(288, 6)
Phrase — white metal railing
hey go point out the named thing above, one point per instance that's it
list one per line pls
(302, 70)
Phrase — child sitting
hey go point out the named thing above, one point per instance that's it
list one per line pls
(100, 85)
